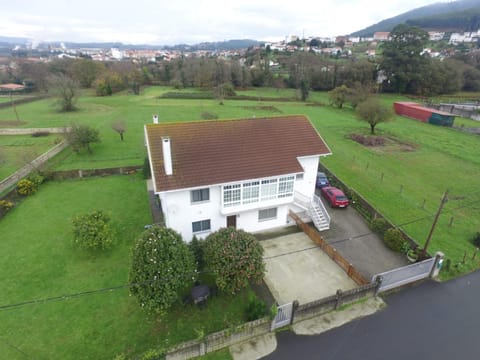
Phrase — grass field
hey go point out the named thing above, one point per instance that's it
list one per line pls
(17, 151)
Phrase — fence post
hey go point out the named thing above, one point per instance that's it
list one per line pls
(378, 280)
(295, 306)
(437, 264)
(339, 298)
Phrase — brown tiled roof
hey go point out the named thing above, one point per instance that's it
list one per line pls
(220, 151)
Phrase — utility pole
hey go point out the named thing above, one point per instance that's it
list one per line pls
(437, 215)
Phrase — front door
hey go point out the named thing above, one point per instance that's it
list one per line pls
(232, 221)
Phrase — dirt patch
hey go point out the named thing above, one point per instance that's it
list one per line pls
(263, 108)
(383, 144)
(11, 123)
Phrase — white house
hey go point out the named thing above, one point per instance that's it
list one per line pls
(246, 173)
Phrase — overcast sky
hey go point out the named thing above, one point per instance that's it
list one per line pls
(167, 22)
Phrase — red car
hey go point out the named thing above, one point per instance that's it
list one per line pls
(335, 197)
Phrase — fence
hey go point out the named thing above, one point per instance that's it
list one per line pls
(329, 250)
(30, 131)
(24, 171)
(81, 173)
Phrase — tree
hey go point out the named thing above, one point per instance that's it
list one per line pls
(234, 257)
(403, 61)
(85, 71)
(92, 231)
(338, 96)
(120, 127)
(162, 265)
(66, 91)
(373, 112)
(81, 136)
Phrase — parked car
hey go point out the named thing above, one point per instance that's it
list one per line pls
(335, 197)
(322, 180)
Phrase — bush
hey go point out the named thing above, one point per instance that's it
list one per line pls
(146, 168)
(368, 140)
(196, 247)
(235, 257)
(36, 178)
(207, 115)
(476, 239)
(26, 187)
(394, 239)
(379, 225)
(6, 205)
(92, 231)
(162, 267)
(40, 133)
(256, 308)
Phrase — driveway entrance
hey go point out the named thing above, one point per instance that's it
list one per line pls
(297, 269)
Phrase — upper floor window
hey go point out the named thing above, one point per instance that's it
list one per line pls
(200, 195)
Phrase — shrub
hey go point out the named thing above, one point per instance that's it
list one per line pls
(162, 267)
(40, 133)
(196, 247)
(368, 140)
(476, 239)
(26, 187)
(235, 257)
(207, 115)
(256, 308)
(6, 205)
(146, 168)
(394, 239)
(36, 178)
(379, 225)
(92, 231)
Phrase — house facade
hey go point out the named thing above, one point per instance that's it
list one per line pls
(245, 173)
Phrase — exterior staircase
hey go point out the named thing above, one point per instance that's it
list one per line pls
(315, 209)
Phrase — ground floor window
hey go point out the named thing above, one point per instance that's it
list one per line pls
(200, 226)
(267, 214)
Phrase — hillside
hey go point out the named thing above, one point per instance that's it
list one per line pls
(437, 16)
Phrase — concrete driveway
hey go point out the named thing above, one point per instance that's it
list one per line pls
(352, 238)
(298, 270)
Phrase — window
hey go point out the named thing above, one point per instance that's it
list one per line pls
(232, 195)
(269, 189)
(251, 192)
(267, 214)
(200, 195)
(299, 177)
(285, 186)
(200, 226)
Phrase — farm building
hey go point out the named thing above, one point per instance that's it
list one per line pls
(423, 114)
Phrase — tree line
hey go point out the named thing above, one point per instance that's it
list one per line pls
(401, 67)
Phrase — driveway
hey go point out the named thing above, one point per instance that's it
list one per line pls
(352, 238)
(296, 269)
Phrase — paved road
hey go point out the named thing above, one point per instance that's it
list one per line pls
(431, 321)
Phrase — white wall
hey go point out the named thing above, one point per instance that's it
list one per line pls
(180, 212)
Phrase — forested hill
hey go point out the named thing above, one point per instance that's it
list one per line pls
(435, 15)
(467, 20)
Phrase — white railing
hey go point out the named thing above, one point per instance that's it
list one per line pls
(318, 202)
(303, 200)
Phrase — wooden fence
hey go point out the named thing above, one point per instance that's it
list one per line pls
(329, 250)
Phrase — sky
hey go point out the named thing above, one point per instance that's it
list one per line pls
(171, 22)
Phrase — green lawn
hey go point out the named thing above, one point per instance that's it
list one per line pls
(38, 262)
(17, 151)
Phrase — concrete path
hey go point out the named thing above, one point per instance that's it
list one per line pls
(298, 270)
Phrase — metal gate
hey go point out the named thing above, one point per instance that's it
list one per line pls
(283, 317)
(404, 275)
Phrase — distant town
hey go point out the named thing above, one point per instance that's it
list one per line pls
(334, 46)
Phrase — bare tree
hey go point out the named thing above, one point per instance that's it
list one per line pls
(120, 127)
(65, 89)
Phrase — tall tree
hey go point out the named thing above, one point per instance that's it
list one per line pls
(65, 89)
(403, 61)
(373, 112)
